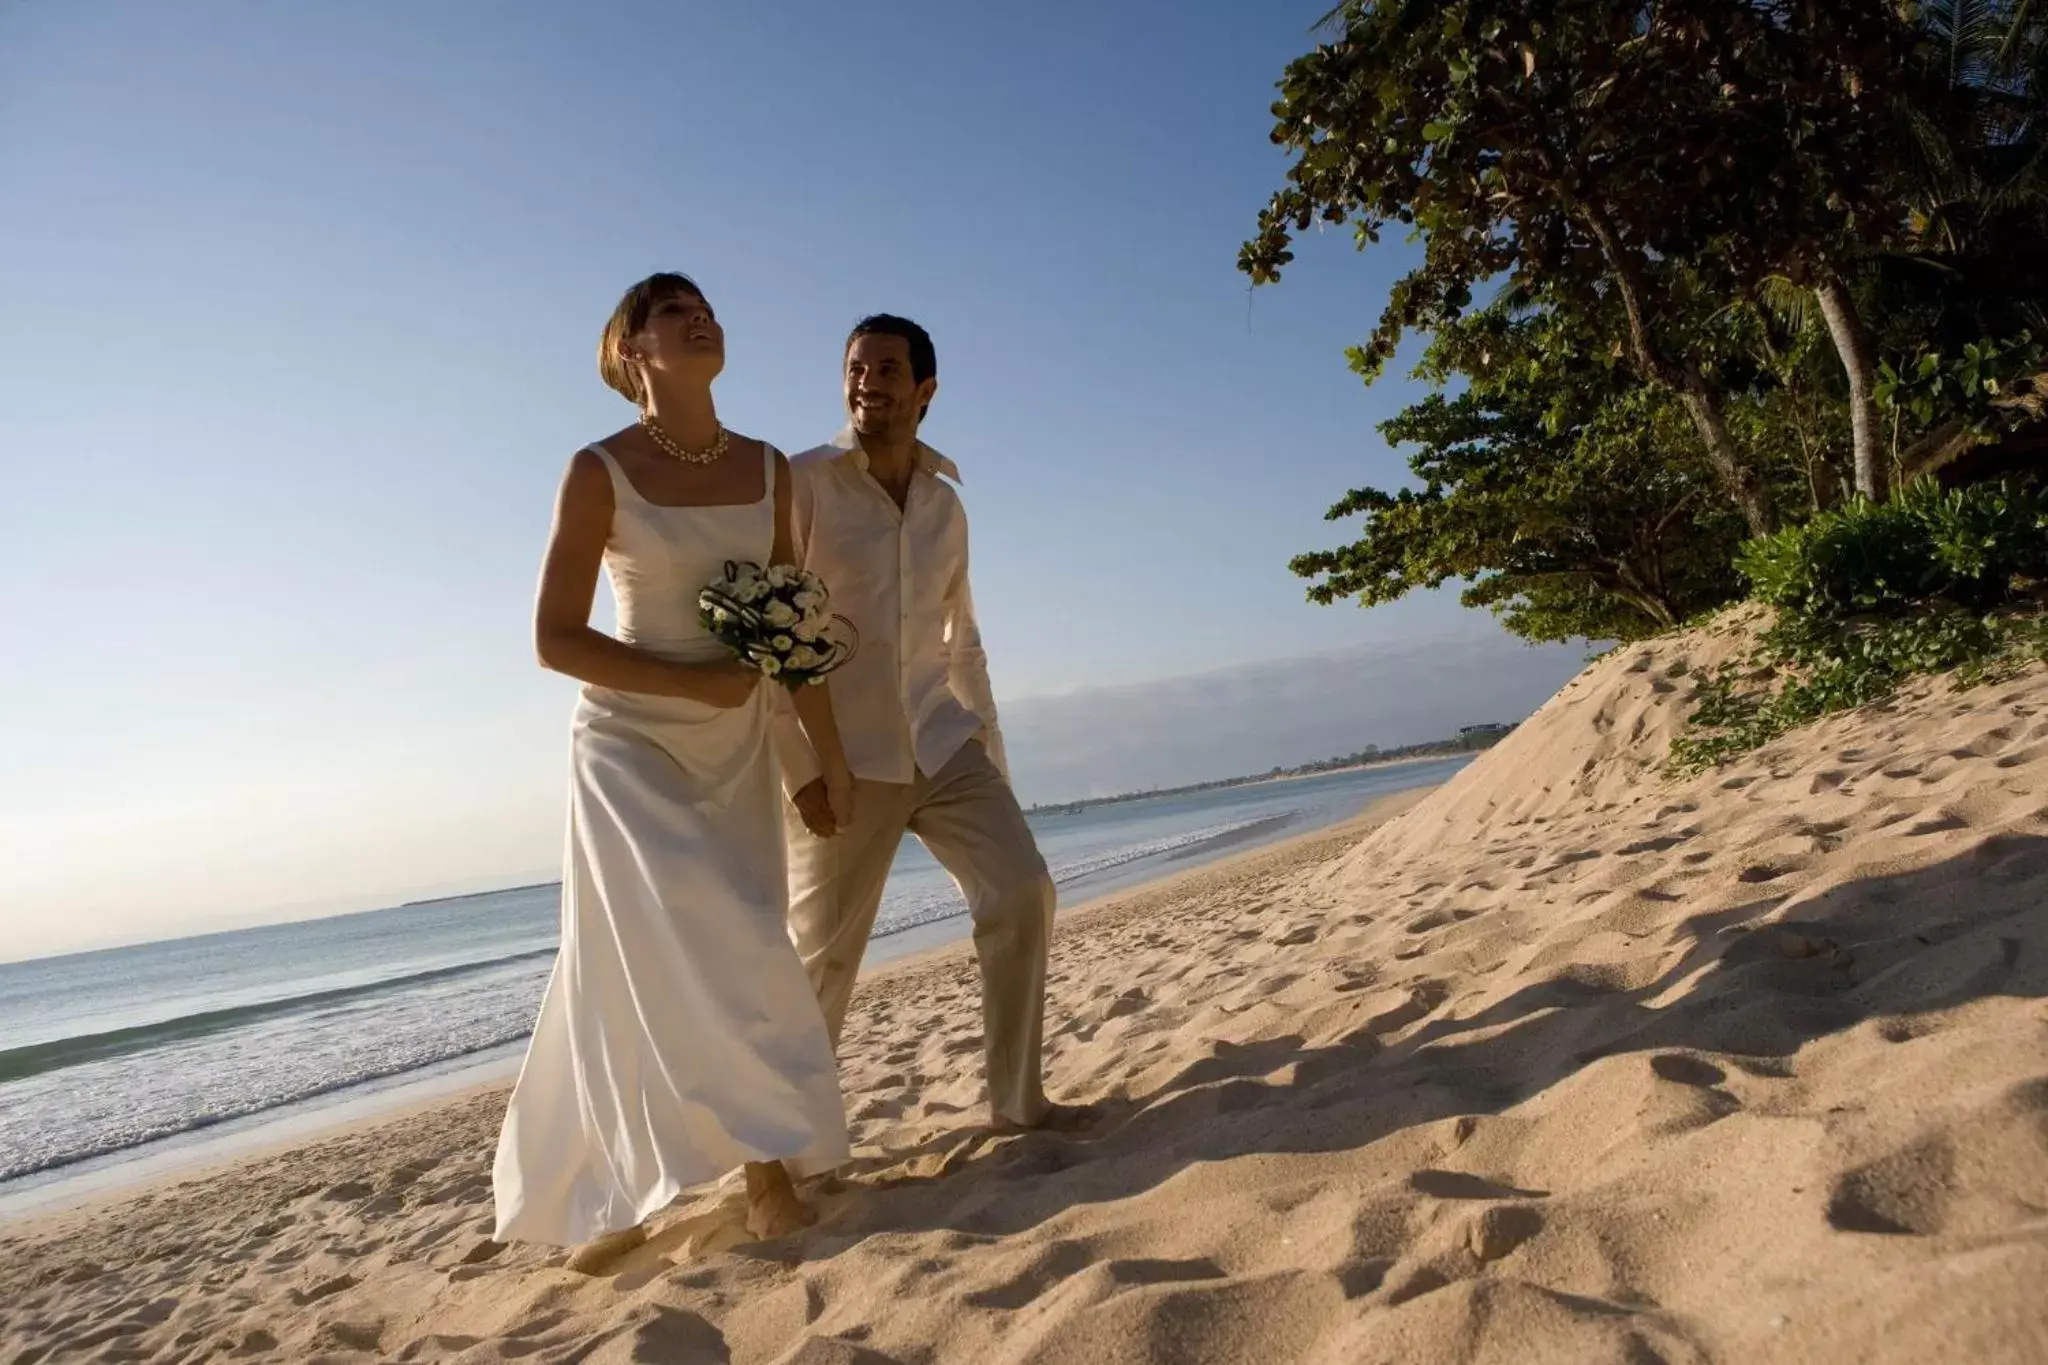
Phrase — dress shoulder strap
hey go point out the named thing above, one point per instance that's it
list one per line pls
(622, 487)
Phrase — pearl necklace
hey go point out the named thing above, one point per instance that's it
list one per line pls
(668, 443)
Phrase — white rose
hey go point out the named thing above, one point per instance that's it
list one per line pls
(805, 602)
(753, 590)
(778, 576)
(803, 656)
(806, 631)
(782, 644)
(779, 614)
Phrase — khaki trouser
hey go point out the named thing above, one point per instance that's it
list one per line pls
(968, 817)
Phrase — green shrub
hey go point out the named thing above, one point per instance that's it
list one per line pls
(1927, 545)
(1797, 675)
(1869, 596)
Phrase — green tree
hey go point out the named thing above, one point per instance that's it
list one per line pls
(1599, 151)
(1970, 280)
(1575, 502)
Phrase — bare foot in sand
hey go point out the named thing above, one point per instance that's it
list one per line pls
(773, 1209)
(1057, 1118)
(594, 1258)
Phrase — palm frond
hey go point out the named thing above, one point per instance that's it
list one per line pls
(1971, 33)
(2021, 32)
(1787, 307)
(1518, 299)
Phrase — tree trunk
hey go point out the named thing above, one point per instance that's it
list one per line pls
(1634, 588)
(1703, 405)
(1701, 402)
(1859, 362)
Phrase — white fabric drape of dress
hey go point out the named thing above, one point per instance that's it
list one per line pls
(679, 1036)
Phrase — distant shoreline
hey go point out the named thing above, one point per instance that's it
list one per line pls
(1254, 780)
(477, 895)
(1089, 802)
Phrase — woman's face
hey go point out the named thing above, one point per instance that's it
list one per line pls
(682, 337)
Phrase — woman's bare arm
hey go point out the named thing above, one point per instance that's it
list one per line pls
(562, 635)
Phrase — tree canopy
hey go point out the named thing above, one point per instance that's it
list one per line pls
(1570, 498)
(1776, 214)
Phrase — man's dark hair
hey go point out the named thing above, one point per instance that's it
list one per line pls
(924, 357)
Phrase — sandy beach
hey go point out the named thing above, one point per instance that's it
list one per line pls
(1566, 1062)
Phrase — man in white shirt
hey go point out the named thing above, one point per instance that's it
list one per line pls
(876, 519)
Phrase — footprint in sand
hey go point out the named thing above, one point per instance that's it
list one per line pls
(363, 1337)
(1684, 1070)
(1904, 1030)
(1360, 1278)
(1906, 1192)
(1499, 1230)
(1351, 979)
(1941, 823)
(881, 1109)
(1409, 1007)
(1464, 1185)
(825, 1350)
(483, 1250)
(1130, 1002)
(325, 1289)
(1424, 1280)
(1041, 1271)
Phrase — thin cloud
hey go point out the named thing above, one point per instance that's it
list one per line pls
(1248, 719)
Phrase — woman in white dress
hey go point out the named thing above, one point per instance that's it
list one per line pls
(679, 1037)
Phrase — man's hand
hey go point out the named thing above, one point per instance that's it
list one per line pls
(814, 803)
(839, 797)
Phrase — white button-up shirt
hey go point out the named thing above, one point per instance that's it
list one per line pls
(918, 687)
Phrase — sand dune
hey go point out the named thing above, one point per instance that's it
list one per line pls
(1568, 1063)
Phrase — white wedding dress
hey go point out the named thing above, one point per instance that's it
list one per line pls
(679, 1036)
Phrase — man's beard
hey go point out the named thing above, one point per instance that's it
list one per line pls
(887, 426)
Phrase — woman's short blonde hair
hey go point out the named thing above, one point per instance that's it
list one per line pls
(627, 319)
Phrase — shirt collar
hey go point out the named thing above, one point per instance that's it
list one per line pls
(929, 461)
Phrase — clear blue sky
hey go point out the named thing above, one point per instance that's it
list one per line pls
(298, 305)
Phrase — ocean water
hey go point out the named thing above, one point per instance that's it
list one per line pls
(109, 1056)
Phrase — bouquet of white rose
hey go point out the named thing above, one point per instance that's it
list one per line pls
(776, 620)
